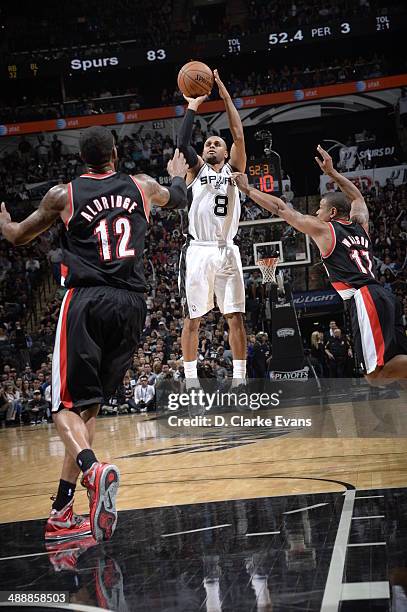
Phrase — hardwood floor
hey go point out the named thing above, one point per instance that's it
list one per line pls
(361, 444)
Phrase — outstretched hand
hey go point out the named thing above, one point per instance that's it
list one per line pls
(4, 216)
(223, 92)
(195, 103)
(325, 163)
(241, 181)
(177, 166)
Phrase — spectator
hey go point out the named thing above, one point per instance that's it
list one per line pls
(37, 408)
(128, 389)
(261, 353)
(338, 351)
(144, 395)
(55, 259)
(289, 194)
(318, 354)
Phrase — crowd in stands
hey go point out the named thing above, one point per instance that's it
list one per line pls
(168, 22)
(91, 24)
(25, 358)
(271, 80)
(281, 14)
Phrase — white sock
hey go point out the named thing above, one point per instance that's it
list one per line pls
(239, 369)
(190, 369)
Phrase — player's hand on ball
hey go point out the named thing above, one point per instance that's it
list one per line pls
(241, 181)
(195, 103)
(177, 166)
(325, 163)
(4, 216)
(223, 92)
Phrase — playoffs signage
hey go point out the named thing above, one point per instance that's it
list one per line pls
(288, 352)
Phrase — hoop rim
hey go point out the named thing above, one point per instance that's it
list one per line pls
(268, 262)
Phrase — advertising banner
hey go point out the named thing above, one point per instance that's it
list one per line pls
(168, 112)
(366, 179)
(316, 299)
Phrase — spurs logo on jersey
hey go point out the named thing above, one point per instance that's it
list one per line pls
(349, 262)
(214, 210)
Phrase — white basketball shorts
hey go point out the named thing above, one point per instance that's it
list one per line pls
(207, 270)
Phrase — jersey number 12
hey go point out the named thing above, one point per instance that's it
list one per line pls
(122, 231)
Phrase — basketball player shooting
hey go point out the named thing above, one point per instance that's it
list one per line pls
(105, 215)
(340, 230)
(210, 262)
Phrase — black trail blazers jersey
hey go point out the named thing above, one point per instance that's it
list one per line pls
(349, 261)
(104, 236)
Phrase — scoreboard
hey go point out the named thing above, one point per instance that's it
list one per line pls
(265, 173)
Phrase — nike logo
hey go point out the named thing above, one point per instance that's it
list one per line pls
(109, 505)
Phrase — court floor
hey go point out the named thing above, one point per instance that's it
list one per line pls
(224, 518)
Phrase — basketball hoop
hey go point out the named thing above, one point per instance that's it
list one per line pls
(268, 267)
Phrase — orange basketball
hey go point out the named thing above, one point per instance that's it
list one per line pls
(195, 79)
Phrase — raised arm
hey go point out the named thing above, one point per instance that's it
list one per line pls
(194, 161)
(319, 231)
(52, 206)
(174, 196)
(238, 149)
(359, 212)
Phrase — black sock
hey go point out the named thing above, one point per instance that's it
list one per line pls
(86, 459)
(66, 491)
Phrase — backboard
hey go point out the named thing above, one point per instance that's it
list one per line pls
(263, 237)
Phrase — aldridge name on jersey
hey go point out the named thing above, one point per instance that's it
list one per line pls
(103, 240)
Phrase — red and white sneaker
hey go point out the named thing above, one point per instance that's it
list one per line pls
(65, 524)
(102, 483)
(109, 585)
(64, 556)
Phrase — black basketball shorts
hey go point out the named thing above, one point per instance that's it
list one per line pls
(377, 327)
(98, 331)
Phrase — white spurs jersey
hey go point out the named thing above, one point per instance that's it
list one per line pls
(214, 205)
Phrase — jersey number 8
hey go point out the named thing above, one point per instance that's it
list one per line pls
(221, 206)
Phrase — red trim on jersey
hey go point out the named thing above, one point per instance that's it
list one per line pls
(66, 399)
(374, 324)
(339, 286)
(333, 242)
(344, 221)
(70, 198)
(98, 176)
(143, 197)
(64, 270)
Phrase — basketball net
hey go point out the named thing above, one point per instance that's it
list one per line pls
(268, 267)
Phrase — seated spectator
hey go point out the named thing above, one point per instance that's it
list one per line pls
(144, 395)
(37, 407)
(128, 389)
(4, 405)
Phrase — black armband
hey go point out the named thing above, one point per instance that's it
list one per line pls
(191, 156)
(184, 138)
(185, 132)
(178, 193)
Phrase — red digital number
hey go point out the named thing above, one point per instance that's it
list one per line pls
(267, 183)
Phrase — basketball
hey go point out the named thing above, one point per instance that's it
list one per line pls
(195, 79)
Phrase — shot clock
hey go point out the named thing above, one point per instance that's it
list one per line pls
(265, 173)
